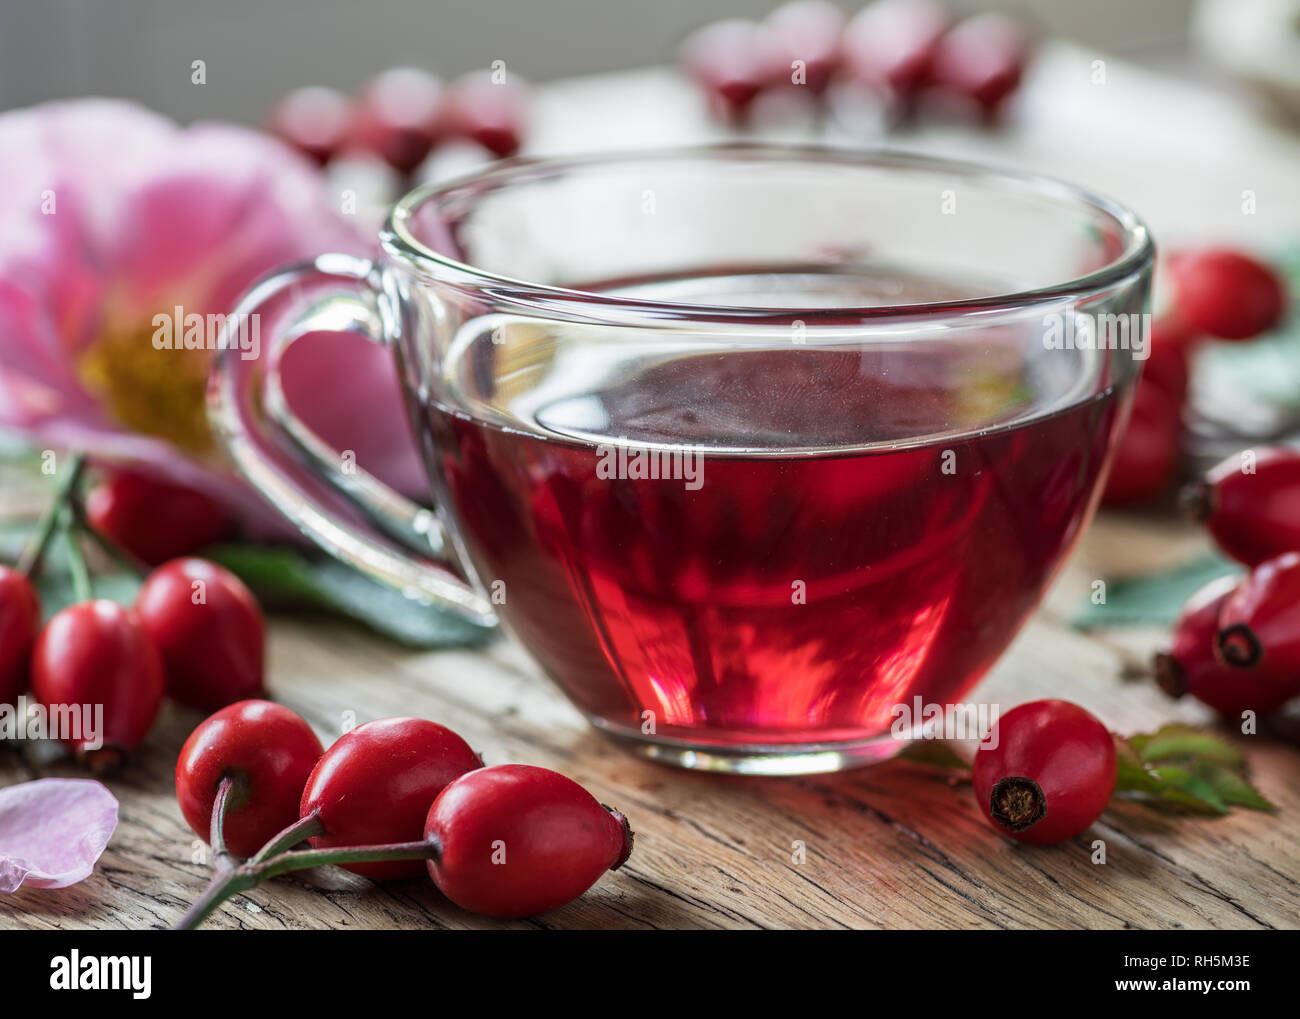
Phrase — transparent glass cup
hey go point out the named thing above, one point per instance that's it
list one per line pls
(754, 449)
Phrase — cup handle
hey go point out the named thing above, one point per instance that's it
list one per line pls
(292, 467)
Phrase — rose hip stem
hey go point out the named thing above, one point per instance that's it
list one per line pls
(277, 857)
(231, 786)
(81, 588)
(51, 520)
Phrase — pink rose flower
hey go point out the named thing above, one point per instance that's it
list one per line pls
(114, 215)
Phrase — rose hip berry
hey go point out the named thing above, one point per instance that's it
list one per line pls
(732, 61)
(154, 520)
(209, 629)
(807, 31)
(517, 841)
(890, 45)
(492, 114)
(375, 785)
(97, 653)
(1045, 773)
(1259, 624)
(313, 120)
(1145, 462)
(268, 750)
(1167, 367)
(20, 618)
(1251, 507)
(1191, 667)
(983, 59)
(1226, 293)
(396, 117)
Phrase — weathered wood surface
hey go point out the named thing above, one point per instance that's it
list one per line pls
(891, 846)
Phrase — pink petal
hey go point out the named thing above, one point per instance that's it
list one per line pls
(52, 831)
(219, 209)
(367, 415)
(36, 375)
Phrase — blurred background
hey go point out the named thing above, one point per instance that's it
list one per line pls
(256, 50)
(1185, 110)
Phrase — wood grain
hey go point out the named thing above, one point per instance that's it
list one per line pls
(897, 845)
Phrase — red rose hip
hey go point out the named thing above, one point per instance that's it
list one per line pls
(1167, 367)
(1190, 666)
(314, 120)
(1045, 773)
(1259, 624)
(1145, 463)
(396, 117)
(1226, 293)
(807, 32)
(1250, 503)
(155, 520)
(97, 655)
(983, 59)
(209, 629)
(20, 618)
(488, 112)
(376, 783)
(268, 750)
(732, 61)
(890, 44)
(517, 841)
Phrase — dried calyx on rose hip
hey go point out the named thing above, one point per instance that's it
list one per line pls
(1250, 503)
(1259, 624)
(1045, 772)
(515, 840)
(376, 783)
(1191, 666)
(1048, 770)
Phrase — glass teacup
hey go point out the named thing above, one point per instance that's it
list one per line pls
(747, 446)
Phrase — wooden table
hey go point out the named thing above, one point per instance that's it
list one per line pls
(895, 845)
(891, 846)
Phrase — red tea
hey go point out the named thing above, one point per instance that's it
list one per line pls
(844, 529)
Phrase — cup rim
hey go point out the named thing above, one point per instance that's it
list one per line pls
(549, 300)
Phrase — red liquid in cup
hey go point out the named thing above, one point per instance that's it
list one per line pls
(830, 564)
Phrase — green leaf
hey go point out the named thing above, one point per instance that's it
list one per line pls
(1132, 773)
(283, 575)
(1156, 598)
(1231, 787)
(1186, 742)
(1184, 767)
(1187, 788)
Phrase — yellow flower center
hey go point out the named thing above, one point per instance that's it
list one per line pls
(156, 392)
